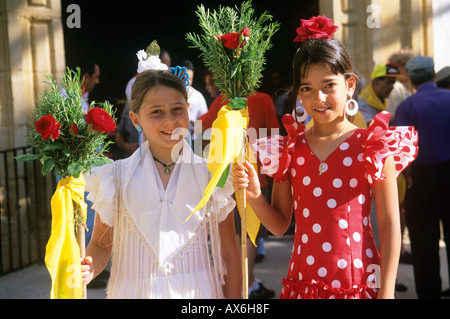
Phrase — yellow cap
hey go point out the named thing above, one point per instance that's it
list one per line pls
(382, 70)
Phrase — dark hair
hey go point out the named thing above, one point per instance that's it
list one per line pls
(444, 84)
(421, 76)
(188, 64)
(85, 64)
(209, 73)
(330, 52)
(149, 79)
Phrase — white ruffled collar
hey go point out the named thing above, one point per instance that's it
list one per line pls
(160, 214)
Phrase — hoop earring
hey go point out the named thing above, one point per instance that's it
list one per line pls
(139, 129)
(300, 109)
(351, 111)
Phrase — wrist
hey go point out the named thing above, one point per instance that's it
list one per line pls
(254, 195)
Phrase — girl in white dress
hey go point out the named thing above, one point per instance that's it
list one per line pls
(142, 203)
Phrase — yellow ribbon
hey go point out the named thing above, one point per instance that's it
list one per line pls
(227, 143)
(62, 255)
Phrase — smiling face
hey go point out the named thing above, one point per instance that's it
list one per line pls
(164, 118)
(324, 93)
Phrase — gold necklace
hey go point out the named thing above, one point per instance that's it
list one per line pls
(323, 167)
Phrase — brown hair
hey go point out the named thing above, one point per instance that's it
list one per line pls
(330, 52)
(401, 57)
(149, 79)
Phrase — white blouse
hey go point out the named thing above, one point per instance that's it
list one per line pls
(156, 252)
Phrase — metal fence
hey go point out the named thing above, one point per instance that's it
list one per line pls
(25, 213)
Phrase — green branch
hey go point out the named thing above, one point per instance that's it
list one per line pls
(238, 72)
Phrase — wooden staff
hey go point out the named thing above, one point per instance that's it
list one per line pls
(244, 246)
(243, 205)
(80, 228)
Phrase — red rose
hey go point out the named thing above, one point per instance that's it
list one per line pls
(100, 120)
(315, 28)
(246, 32)
(230, 40)
(74, 129)
(233, 40)
(48, 127)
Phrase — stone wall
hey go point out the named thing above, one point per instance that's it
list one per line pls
(31, 45)
(374, 29)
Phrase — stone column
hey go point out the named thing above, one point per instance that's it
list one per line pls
(374, 29)
(32, 44)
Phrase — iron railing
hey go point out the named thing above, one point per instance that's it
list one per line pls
(25, 213)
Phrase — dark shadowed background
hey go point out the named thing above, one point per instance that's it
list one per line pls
(112, 32)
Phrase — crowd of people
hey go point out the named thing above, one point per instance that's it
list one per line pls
(333, 150)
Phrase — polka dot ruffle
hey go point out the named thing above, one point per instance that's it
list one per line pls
(274, 152)
(383, 141)
(293, 289)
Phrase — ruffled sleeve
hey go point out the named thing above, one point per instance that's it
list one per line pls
(274, 152)
(383, 141)
(222, 201)
(101, 188)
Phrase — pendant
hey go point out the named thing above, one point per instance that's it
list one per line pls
(167, 170)
(323, 167)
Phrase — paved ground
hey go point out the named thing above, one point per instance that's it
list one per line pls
(34, 282)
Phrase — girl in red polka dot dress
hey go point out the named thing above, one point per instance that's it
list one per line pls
(328, 176)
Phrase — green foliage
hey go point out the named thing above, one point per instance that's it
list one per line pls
(70, 154)
(237, 72)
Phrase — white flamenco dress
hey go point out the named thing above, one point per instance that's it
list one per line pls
(156, 254)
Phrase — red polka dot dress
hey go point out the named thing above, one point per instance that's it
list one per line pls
(334, 253)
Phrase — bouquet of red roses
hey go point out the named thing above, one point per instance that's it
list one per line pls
(67, 139)
(70, 142)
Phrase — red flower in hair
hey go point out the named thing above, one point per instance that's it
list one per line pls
(100, 120)
(48, 127)
(233, 40)
(315, 28)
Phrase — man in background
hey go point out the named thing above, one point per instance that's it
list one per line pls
(428, 177)
(373, 98)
